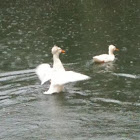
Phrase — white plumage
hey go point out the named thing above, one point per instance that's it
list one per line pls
(106, 57)
(57, 75)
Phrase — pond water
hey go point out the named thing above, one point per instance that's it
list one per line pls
(105, 107)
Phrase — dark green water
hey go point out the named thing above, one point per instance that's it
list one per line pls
(105, 107)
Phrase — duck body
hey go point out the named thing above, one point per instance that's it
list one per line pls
(103, 58)
(57, 75)
(106, 57)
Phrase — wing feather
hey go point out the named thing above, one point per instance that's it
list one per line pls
(44, 72)
(60, 78)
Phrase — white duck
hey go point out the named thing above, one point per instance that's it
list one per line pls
(57, 75)
(106, 57)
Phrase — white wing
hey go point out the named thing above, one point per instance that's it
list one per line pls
(103, 58)
(44, 72)
(60, 78)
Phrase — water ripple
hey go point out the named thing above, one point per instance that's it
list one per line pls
(16, 72)
(127, 75)
(114, 101)
(17, 76)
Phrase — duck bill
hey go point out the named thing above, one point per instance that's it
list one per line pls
(116, 49)
(62, 51)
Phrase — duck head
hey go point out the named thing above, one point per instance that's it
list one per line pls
(112, 48)
(57, 50)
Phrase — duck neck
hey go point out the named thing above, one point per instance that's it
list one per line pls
(111, 52)
(57, 64)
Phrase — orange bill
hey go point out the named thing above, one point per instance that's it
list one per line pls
(62, 51)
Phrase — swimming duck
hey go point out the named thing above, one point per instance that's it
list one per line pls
(57, 75)
(106, 57)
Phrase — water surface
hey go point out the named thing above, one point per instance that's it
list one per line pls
(105, 107)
